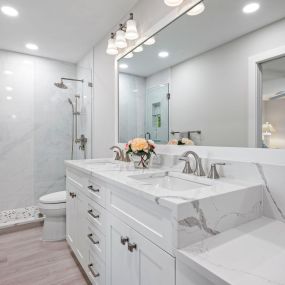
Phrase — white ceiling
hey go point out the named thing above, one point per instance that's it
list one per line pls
(222, 21)
(63, 29)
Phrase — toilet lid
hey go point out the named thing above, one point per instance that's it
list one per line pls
(54, 198)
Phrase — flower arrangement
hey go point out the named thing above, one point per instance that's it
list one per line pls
(142, 149)
(183, 141)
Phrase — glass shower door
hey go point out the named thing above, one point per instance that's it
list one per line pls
(157, 113)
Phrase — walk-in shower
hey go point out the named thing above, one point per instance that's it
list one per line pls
(75, 114)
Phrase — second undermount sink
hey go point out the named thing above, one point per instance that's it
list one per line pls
(170, 180)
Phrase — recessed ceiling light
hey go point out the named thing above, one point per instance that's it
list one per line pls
(123, 66)
(8, 88)
(198, 9)
(251, 8)
(9, 98)
(163, 54)
(129, 55)
(173, 3)
(138, 49)
(9, 11)
(32, 46)
(14, 116)
(150, 41)
(8, 72)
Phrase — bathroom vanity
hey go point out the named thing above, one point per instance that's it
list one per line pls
(125, 226)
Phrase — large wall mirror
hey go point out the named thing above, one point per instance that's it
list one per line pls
(191, 80)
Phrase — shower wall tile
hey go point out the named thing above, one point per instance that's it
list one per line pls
(35, 124)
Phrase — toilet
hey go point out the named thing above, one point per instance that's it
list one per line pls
(53, 207)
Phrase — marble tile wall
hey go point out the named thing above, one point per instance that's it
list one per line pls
(35, 124)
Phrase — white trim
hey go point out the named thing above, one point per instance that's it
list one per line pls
(254, 93)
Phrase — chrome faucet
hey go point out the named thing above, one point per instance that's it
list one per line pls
(198, 171)
(120, 154)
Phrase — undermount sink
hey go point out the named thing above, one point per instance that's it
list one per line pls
(169, 180)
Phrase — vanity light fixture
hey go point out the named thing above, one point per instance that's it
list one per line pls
(198, 9)
(112, 49)
(126, 31)
(9, 11)
(121, 39)
(129, 55)
(163, 54)
(251, 8)
(123, 66)
(150, 41)
(32, 46)
(138, 49)
(173, 3)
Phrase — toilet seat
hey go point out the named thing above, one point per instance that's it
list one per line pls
(54, 198)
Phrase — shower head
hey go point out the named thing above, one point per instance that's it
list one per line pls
(60, 85)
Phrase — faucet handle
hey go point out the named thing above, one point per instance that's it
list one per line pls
(187, 168)
(213, 174)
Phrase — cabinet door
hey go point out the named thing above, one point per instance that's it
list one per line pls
(153, 265)
(71, 213)
(121, 266)
(81, 227)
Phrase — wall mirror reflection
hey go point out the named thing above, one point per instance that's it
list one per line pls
(191, 80)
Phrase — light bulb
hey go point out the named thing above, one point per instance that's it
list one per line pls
(198, 9)
(112, 49)
(120, 39)
(173, 3)
(9, 11)
(150, 41)
(131, 31)
(163, 54)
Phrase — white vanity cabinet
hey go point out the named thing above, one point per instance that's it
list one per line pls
(110, 239)
(134, 260)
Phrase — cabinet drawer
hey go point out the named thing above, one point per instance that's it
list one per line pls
(96, 242)
(96, 270)
(96, 191)
(97, 216)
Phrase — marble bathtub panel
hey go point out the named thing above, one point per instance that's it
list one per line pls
(211, 216)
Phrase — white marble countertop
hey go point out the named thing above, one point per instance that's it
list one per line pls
(251, 254)
(118, 174)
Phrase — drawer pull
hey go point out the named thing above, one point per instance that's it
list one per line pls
(92, 189)
(90, 212)
(124, 240)
(132, 246)
(72, 194)
(92, 240)
(90, 266)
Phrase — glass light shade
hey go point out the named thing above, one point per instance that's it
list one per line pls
(131, 31)
(121, 39)
(150, 41)
(138, 49)
(129, 55)
(200, 8)
(112, 49)
(173, 3)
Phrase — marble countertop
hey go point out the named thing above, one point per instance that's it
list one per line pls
(119, 174)
(253, 253)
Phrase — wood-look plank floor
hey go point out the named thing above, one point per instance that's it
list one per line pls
(26, 260)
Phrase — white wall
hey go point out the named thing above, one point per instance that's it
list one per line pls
(35, 128)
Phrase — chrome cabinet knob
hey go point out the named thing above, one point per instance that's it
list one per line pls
(124, 240)
(72, 195)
